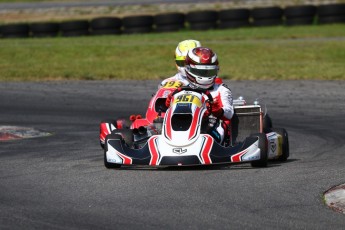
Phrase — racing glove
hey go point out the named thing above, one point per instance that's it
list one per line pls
(168, 100)
(217, 110)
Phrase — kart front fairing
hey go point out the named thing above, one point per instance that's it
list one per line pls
(204, 151)
(181, 141)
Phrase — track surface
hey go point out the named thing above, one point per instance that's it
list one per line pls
(59, 182)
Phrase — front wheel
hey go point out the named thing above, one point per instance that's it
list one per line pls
(263, 151)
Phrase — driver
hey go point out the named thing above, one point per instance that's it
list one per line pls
(201, 67)
(180, 56)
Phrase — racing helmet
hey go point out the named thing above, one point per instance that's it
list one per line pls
(181, 53)
(201, 67)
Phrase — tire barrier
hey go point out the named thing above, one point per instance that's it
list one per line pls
(105, 26)
(196, 20)
(299, 15)
(44, 29)
(137, 24)
(15, 31)
(234, 18)
(269, 16)
(334, 13)
(169, 22)
(202, 20)
(74, 28)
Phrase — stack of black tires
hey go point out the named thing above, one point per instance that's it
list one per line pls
(299, 15)
(234, 18)
(331, 13)
(21, 30)
(202, 20)
(270, 16)
(168, 22)
(105, 26)
(137, 24)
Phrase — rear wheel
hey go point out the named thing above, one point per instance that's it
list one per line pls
(107, 164)
(285, 143)
(263, 151)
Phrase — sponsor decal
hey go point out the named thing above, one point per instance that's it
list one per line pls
(155, 155)
(179, 150)
(188, 98)
(238, 157)
(172, 84)
(206, 150)
(273, 145)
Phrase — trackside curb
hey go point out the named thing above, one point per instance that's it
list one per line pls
(335, 198)
(8, 133)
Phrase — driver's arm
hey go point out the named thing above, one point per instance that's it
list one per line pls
(226, 98)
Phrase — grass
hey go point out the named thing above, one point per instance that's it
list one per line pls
(303, 52)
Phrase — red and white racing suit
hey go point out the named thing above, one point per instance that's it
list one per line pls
(222, 95)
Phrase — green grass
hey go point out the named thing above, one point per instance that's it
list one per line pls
(303, 52)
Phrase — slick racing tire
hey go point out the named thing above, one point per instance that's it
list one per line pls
(285, 145)
(107, 164)
(263, 151)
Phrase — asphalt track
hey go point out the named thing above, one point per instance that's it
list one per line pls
(59, 182)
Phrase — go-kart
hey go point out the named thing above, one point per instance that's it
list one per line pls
(178, 136)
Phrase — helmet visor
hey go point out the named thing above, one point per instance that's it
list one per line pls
(203, 70)
(180, 63)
